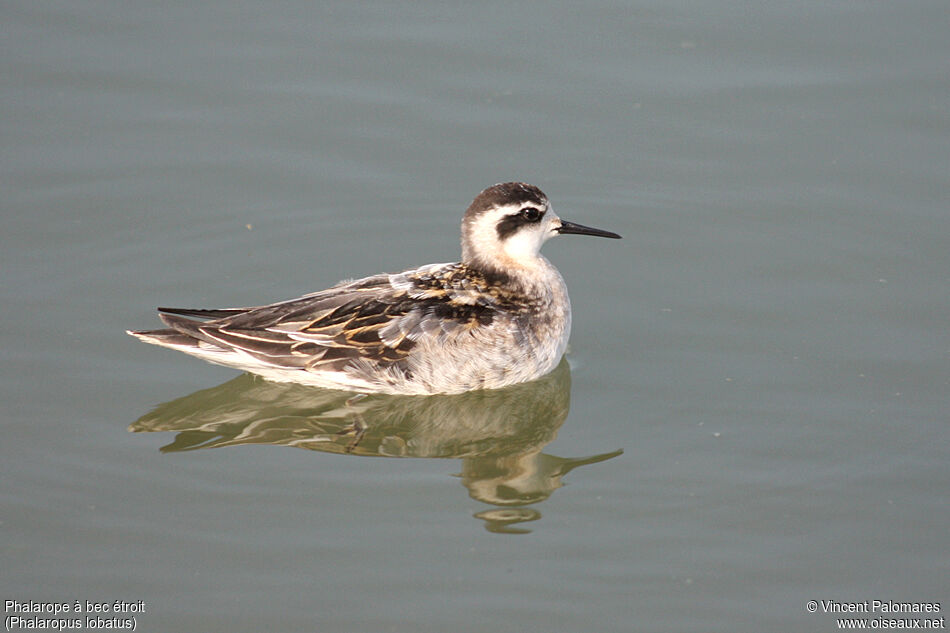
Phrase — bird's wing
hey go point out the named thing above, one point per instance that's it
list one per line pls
(378, 318)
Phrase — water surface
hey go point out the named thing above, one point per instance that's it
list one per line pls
(768, 346)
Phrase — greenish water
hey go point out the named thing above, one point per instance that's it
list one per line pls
(755, 409)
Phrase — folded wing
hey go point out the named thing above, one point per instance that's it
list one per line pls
(379, 319)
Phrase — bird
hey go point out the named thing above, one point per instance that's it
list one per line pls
(499, 317)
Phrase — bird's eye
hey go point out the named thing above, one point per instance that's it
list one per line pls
(530, 214)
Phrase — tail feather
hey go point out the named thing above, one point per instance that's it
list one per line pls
(189, 328)
(202, 313)
(166, 338)
(182, 333)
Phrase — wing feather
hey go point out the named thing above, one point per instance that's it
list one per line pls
(377, 319)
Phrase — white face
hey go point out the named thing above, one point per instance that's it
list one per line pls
(510, 236)
(525, 243)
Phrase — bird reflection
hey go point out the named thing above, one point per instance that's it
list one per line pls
(498, 434)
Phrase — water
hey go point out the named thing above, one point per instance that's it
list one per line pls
(768, 346)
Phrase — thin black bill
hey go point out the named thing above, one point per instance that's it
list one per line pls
(579, 229)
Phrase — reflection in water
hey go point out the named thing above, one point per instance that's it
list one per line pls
(498, 434)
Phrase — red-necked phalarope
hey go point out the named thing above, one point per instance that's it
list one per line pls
(499, 317)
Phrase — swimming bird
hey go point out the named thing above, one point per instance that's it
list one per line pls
(499, 317)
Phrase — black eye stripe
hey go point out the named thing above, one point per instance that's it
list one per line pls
(511, 223)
